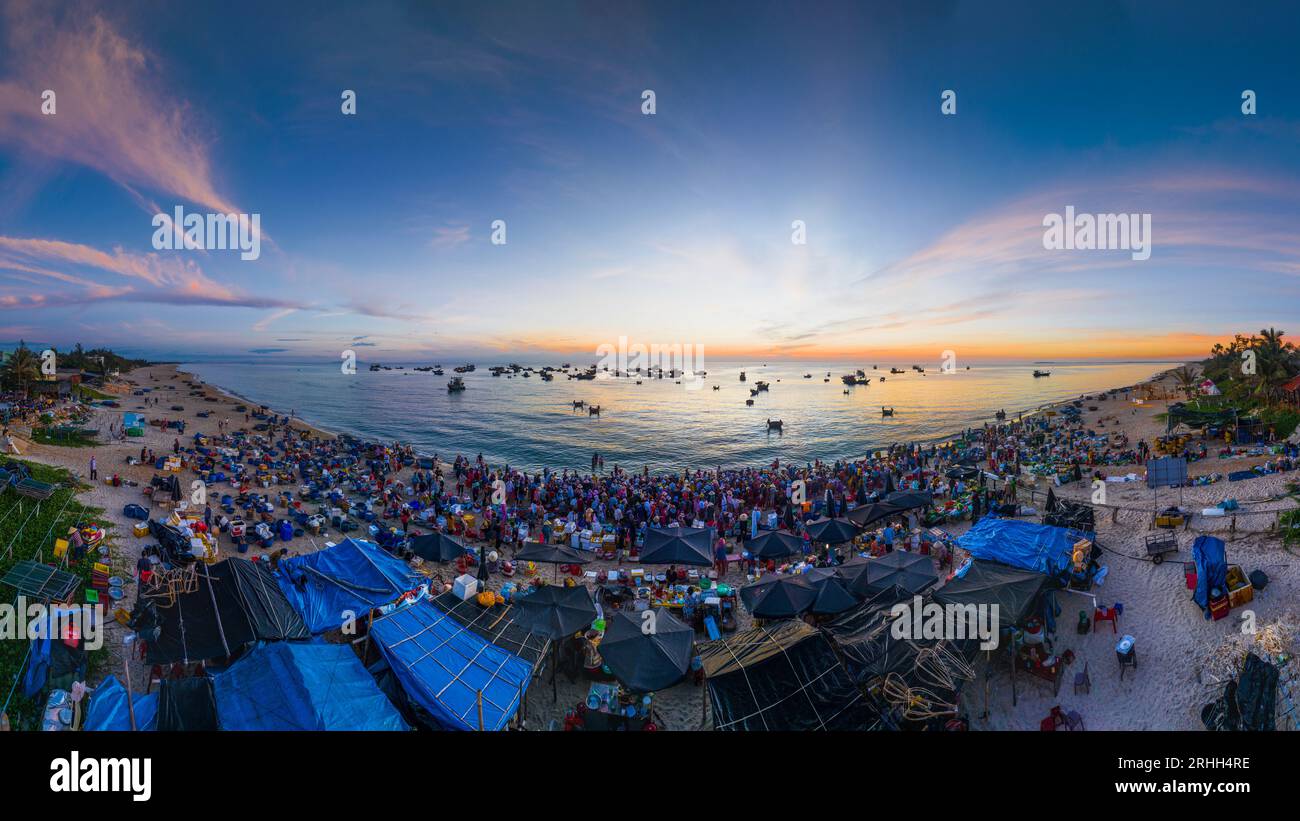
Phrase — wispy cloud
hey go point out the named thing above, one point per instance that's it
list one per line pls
(114, 114)
(148, 277)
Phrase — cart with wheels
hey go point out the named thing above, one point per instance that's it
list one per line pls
(1160, 543)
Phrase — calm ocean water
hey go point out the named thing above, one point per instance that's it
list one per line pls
(530, 423)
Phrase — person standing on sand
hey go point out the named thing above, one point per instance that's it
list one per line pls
(94, 468)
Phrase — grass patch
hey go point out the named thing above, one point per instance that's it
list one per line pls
(90, 393)
(63, 438)
(27, 530)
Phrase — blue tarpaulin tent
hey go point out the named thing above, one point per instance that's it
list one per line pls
(108, 708)
(302, 686)
(444, 666)
(1042, 548)
(1211, 570)
(352, 576)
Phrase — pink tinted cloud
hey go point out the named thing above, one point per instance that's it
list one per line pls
(112, 115)
(150, 277)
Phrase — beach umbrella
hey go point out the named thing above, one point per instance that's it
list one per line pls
(647, 653)
(437, 547)
(778, 596)
(556, 554)
(913, 572)
(556, 611)
(775, 544)
(832, 596)
(909, 499)
(962, 472)
(678, 545)
(866, 515)
(832, 531)
(551, 554)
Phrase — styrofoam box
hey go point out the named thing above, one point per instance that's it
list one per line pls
(465, 587)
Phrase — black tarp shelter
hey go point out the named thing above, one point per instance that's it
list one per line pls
(1013, 590)
(782, 677)
(236, 603)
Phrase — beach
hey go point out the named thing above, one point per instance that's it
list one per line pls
(1176, 675)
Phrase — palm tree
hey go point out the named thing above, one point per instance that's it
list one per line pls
(22, 367)
(1186, 379)
(1274, 361)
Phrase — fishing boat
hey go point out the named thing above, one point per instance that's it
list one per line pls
(849, 379)
(742, 376)
(897, 370)
(886, 411)
(774, 424)
(762, 386)
(455, 384)
(1042, 373)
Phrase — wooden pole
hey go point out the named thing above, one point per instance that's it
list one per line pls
(480, 711)
(126, 674)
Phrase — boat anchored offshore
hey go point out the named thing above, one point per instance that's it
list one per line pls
(1042, 373)
(455, 384)
(774, 424)
(886, 411)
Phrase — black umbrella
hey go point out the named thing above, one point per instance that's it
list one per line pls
(913, 572)
(962, 472)
(678, 545)
(556, 554)
(853, 574)
(778, 596)
(775, 544)
(437, 547)
(832, 531)
(832, 596)
(647, 652)
(866, 515)
(556, 611)
(909, 499)
(551, 554)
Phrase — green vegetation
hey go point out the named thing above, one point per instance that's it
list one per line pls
(1250, 371)
(26, 530)
(64, 437)
(98, 360)
(22, 366)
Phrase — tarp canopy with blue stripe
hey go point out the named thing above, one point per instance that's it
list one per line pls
(1042, 548)
(444, 667)
(352, 577)
(108, 710)
(302, 686)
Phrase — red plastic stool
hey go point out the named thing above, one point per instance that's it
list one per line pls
(1109, 614)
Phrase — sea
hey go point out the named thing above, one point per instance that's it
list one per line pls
(529, 423)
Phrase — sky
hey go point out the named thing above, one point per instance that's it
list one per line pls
(924, 231)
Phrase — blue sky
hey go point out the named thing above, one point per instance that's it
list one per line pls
(923, 230)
